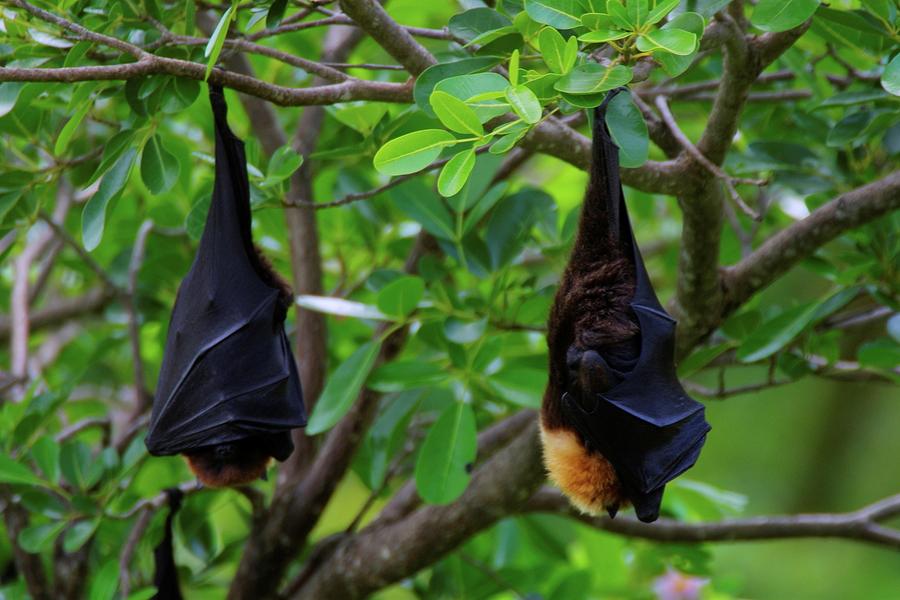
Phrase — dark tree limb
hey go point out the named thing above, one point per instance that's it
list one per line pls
(860, 525)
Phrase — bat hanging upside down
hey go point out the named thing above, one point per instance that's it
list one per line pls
(243, 461)
(229, 392)
(616, 425)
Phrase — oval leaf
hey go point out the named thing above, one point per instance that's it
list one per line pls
(93, 217)
(412, 152)
(217, 39)
(159, 167)
(456, 172)
(629, 130)
(524, 103)
(455, 115)
(890, 79)
(13, 472)
(673, 41)
(593, 78)
(447, 454)
(342, 388)
(401, 296)
(781, 15)
(562, 14)
(340, 307)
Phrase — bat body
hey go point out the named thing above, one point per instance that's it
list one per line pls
(228, 393)
(616, 425)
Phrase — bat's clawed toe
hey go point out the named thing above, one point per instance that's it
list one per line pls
(612, 510)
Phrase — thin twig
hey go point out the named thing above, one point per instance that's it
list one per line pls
(134, 538)
(73, 430)
(691, 149)
(141, 398)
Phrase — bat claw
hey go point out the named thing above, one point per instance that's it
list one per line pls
(264, 476)
(612, 510)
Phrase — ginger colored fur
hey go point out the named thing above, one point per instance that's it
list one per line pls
(591, 312)
(587, 478)
(229, 464)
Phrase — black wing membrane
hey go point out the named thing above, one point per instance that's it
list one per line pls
(646, 425)
(228, 372)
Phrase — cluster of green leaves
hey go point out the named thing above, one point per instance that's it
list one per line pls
(546, 47)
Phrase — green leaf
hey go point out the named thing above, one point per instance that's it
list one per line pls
(340, 307)
(455, 173)
(455, 114)
(524, 103)
(78, 534)
(45, 453)
(69, 129)
(890, 79)
(471, 24)
(430, 77)
(673, 64)
(404, 375)
(850, 129)
(511, 222)
(781, 15)
(662, 8)
(342, 388)
(420, 204)
(13, 472)
(9, 93)
(38, 538)
(159, 167)
(105, 581)
(603, 35)
(674, 41)
(447, 454)
(880, 354)
(514, 69)
(637, 12)
(775, 334)
(282, 165)
(217, 39)
(629, 130)
(562, 14)
(412, 152)
(553, 50)
(620, 16)
(401, 296)
(482, 92)
(93, 217)
(275, 13)
(592, 78)
(78, 466)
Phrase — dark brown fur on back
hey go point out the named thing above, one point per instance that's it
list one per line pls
(271, 277)
(591, 310)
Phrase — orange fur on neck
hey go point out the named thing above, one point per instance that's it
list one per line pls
(587, 478)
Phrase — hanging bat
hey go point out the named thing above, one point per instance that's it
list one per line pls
(228, 393)
(616, 425)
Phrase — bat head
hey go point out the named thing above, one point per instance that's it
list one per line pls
(229, 464)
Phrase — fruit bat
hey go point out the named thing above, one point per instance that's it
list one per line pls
(228, 392)
(616, 425)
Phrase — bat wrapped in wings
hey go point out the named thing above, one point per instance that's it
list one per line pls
(228, 394)
(616, 425)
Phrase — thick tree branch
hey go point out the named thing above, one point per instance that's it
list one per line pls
(861, 525)
(371, 559)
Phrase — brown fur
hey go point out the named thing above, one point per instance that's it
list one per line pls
(231, 464)
(274, 279)
(591, 312)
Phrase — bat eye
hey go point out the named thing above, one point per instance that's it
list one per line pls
(225, 451)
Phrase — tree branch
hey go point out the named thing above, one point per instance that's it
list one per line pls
(367, 561)
(861, 525)
(793, 244)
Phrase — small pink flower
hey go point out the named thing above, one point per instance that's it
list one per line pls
(674, 585)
